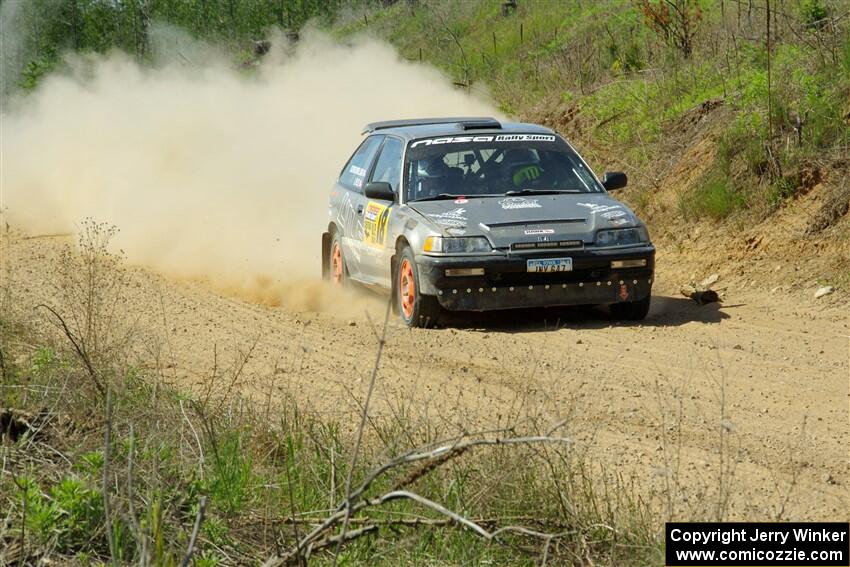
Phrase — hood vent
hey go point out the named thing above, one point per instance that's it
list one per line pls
(514, 224)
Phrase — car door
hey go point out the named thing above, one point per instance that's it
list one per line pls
(377, 250)
(350, 204)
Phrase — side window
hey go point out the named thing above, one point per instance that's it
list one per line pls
(357, 168)
(388, 167)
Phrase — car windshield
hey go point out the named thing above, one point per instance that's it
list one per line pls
(494, 165)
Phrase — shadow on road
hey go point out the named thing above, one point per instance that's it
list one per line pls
(664, 312)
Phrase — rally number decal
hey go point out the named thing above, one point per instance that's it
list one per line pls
(375, 222)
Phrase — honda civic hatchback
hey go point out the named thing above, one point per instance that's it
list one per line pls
(473, 214)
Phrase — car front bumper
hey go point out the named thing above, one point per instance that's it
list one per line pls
(506, 283)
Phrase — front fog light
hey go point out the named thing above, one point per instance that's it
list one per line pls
(640, 263)
(455, 272)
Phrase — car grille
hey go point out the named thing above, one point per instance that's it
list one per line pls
(549, 246)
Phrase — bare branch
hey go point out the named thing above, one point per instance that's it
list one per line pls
(78, 347)
(441, 452)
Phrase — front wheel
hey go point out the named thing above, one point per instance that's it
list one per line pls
(631, 310)
(416, 309)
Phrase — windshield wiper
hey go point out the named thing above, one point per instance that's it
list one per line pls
(440, 197)
(540, 191)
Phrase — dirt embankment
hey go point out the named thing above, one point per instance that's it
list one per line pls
(769, 370)
(796, 248)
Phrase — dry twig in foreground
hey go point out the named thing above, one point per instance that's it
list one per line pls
(320, 537)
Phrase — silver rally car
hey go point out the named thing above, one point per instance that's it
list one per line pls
(473, 214)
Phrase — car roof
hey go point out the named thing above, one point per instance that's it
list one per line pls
(411, 129)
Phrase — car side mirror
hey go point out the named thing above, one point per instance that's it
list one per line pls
(380, 190)
(613, 180)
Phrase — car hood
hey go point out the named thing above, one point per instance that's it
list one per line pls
(509, 220)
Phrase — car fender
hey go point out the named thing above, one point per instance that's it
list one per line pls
(415, 228)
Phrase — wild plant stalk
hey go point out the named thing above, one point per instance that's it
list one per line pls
(139, 536)
(288, 464)
(107, 510)
(24, 504)
(363, 417)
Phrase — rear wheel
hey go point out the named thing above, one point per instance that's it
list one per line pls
(338, 273)
(631, 310)
(416, 310)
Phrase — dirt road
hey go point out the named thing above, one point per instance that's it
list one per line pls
(765, 372)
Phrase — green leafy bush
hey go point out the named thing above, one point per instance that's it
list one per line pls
(70, 514)
(813, 12)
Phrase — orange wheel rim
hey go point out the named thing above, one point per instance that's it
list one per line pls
(336, 263)
(406, 288)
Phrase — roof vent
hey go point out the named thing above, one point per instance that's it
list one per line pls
(480, 124)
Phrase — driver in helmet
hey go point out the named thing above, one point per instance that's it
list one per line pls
(436, 177)
(521, 166)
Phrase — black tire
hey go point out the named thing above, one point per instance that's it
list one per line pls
(342, 277)
(414, 308)
(631, 310)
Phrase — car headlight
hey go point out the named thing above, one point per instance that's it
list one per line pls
(465, 245)
(622, 236)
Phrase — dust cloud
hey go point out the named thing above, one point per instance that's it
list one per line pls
(207, 170)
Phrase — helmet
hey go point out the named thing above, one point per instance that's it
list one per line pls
(436, 177)
(520, 166)
(433, 167)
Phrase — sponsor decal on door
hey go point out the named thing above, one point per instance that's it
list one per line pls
(375, 220)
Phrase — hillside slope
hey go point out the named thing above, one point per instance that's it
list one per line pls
(731, 190)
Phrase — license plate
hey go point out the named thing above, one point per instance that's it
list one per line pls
(550, 265)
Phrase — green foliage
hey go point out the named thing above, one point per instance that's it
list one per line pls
(90, 463)
(41, 517)
(813, 12)
(69, 514)
(215, 529)
(35, 70)
(845, 57)
(626, 58)
(743, 141)
(154, 524)
(208, 558)
(43, 360)
(780, 190)
(50, 27)
(713, 198)
(230, 478)
(812, 94)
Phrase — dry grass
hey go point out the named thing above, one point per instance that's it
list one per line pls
(102, 461)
